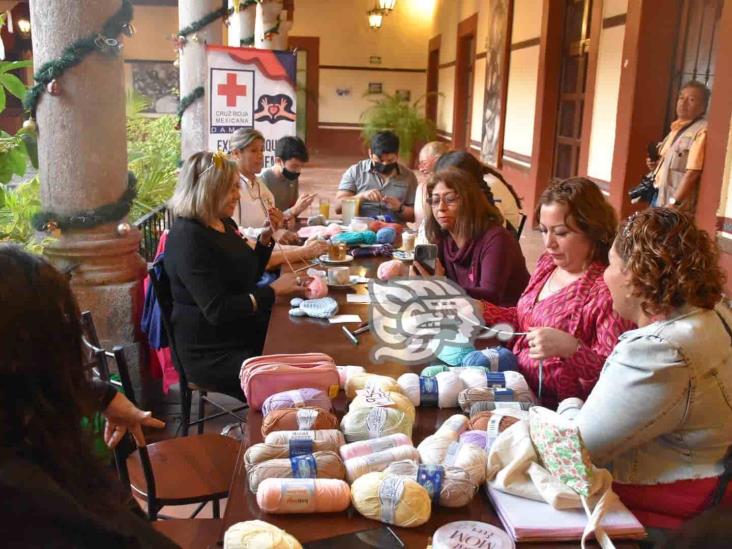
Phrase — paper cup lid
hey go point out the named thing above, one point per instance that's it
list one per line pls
(469, 534)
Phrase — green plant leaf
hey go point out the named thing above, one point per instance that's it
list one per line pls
(17, 160)
(31, 147)
(6, 66)
(13, 84)
(2, 99)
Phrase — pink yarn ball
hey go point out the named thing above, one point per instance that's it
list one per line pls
(392, 269)
(303, 495)
(317, 288)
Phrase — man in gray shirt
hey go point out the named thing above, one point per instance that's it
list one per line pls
(382, 185)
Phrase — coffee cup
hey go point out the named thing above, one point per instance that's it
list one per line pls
(339, 276)
(337, 251)
(408, 241)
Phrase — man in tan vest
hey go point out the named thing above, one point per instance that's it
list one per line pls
(681, 161)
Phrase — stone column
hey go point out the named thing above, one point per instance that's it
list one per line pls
(193, 72)
(82, 146)
(268, 15)
(241, 28)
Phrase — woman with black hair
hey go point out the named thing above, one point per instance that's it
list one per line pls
(55, 491)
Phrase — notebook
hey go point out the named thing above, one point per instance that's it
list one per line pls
(529, 520)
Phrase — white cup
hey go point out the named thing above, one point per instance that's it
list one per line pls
(339, 275)
(408, 241)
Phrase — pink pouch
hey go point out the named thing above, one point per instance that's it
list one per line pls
(263, 376)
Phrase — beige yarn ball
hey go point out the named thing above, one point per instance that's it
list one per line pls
(257, 534)
(401, 403)
(361, 381)
(332, 437)
(391, 499)
(327, 464)
(365, 423)
(456, 490)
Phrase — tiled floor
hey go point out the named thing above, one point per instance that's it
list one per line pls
(321, 175)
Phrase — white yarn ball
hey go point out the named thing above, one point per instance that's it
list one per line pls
(449, 386)
(473, 377)
(410, 386)
(345, 373)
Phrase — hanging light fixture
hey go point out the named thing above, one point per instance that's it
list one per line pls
(386, 6)
(376, 18)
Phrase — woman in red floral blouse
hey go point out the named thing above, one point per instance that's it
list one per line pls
(566, 310)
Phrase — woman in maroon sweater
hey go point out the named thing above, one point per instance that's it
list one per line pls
(475, 250)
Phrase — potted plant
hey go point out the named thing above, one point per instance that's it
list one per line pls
(405, 119)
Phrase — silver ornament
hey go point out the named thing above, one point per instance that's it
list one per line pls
(123, 229)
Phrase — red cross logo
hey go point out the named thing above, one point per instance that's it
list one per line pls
(231, 89)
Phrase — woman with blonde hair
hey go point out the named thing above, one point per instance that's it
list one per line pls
(564, 322)
(660, 415)
(474, 249)
(219, 316)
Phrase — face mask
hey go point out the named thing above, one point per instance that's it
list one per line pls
(292, 176)
(385, 168)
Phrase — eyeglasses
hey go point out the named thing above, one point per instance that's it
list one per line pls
(448, 198)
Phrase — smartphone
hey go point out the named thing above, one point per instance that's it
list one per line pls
(426, 255)
(381, 538)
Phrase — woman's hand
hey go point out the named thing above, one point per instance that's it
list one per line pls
(550, 342)
(283, 236)
(418, 270)
(122, 416)
(314, 248)
(291, 283)
(276, 217)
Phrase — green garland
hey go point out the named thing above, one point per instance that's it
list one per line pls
(107, 213)
(105, 42)
(273, 30)
(209, 18)
(186, 101)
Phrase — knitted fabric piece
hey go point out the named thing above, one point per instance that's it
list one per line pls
(386, 250)
(324, 307)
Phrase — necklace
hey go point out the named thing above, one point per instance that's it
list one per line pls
(549, 286)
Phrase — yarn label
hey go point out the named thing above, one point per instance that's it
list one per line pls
(371, 397)
(390, 494)
(300, 446)
(383, 443)
(375, 422)
(427, 391)
(508, 405)
(306, 418)
(493, 427)
(304, 466)
(430, 477)
(452, 452)
(297, 400)
(307, 435)
(298, 494)
(379, 458)
(503, 395)
(495, 379)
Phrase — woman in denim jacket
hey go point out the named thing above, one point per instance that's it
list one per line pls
(660, 416)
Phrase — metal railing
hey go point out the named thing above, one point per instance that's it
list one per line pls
(152, 225)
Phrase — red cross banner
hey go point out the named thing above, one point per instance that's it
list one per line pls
(247, 88)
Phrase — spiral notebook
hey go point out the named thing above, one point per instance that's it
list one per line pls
(529, 520)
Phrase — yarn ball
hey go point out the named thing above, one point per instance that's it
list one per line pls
(258, 453)
(296, 301)
(452, 486)
(371, 446)
(409, 384)
(327, 465)
(345, 372)
(432, 391)
(401, 403)
(497, 359)
(317, 288)
(296, 398)
(433, 370)
(333, 437)
(303, 495)
(355, 238)
(517, 383)
(305, 418)
(377, 225)
(392, 269)
(490, 406)
(474, 437)
(479, 421)
(365, 423)
(387, 235)
(391, 499)
(378, 461)
(443, 451)
(325, 307)
(473, 395)
(448, 432)
(257, 534)
(449, 386)
(453, 355)
(297, 312)
(361, 381)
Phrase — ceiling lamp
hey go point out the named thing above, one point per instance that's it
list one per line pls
(376, 18)
(387, 6)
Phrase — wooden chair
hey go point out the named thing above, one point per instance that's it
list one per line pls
(161, 286)
(191, 532)
(520, 228)
(178, 471)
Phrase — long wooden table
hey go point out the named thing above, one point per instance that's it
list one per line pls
(297, 335)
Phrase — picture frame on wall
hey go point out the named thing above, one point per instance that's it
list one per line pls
(375, 87)
(158, 81)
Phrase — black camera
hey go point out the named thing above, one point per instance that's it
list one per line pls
(644, 190)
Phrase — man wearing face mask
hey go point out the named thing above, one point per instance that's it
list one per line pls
(291, 155)
(382, 185)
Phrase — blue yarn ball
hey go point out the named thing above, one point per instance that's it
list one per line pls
(296, 301)
(476, 358)
(497, 359)
(507, 360)
(454, 355)
(387, 235)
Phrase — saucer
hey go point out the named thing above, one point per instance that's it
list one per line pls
(353, 281)
(325, 259)
(403, 255)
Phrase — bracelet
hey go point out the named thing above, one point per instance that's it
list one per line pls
(254, 303)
